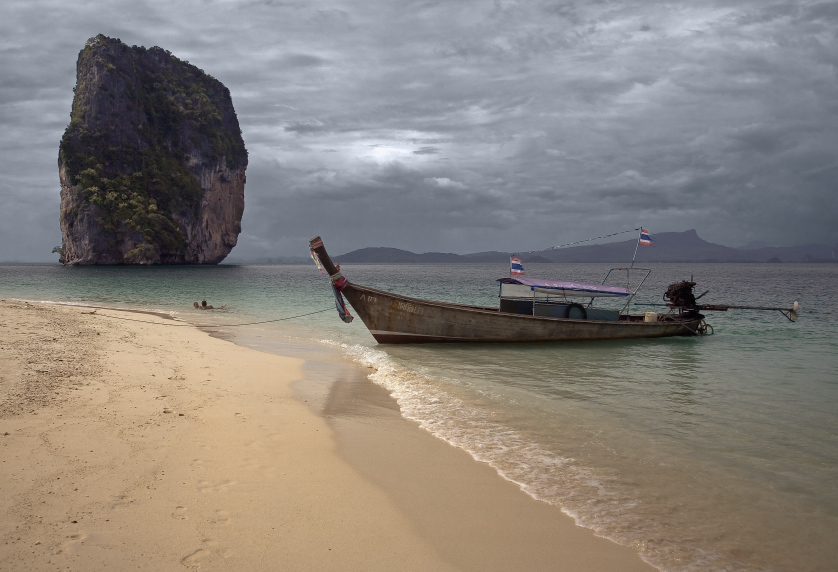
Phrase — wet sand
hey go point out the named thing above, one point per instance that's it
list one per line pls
(135, 445)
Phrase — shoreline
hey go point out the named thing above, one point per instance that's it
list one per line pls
(180, 449)
(449, 496)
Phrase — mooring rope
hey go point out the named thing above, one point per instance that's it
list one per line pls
(203, 325)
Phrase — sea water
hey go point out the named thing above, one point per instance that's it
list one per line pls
(702, 453)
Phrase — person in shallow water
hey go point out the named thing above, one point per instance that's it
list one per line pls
(205, 306)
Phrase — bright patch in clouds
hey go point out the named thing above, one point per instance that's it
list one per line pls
(444, 183)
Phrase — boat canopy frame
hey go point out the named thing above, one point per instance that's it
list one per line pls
(558, 291)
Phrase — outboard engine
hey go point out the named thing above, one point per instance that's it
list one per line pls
(681, 295)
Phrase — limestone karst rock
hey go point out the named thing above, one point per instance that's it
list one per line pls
(152, 164)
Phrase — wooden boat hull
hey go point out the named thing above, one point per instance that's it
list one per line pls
(395, 319)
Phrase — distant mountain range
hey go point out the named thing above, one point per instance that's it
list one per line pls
(684, 246)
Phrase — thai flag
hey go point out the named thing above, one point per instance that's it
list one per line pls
(645, 238)
(515, 267)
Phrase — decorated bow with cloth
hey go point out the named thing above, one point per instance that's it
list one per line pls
(338, 282)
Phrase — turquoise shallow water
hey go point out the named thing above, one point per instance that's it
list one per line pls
(715, 453)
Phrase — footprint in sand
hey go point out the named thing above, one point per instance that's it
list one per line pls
(180, 513)
(122, 502)
(253, 465)
(208, 487)
(73, 540)
(220, 517)
(194, 560)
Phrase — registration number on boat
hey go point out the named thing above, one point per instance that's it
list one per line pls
(405, 307)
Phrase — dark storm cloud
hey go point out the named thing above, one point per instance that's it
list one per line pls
(474, 125)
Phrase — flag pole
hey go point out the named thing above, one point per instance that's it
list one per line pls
(636, 247)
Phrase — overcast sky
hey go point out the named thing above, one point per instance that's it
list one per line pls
(461, 125)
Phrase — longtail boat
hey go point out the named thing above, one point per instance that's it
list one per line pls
(530, 310)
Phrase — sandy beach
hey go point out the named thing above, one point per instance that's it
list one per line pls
(128, 443)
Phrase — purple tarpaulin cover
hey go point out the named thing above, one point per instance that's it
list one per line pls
(593, 289)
